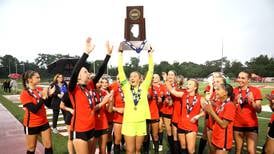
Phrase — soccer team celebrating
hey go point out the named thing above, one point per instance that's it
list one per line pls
(133, 111)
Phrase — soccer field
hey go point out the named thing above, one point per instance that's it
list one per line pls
(59, 142)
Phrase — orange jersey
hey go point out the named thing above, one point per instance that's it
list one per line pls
(177, 106)
(191, 107)
(166, 108)
(223, 137)
(101, 119)
(245, 114)
(210, 120)
(272, 118)
(118, 97)
(83, 118)
(33, 119)
(155, 100)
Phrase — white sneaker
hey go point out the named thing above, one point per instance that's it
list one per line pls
(160, 147)
(55, 131)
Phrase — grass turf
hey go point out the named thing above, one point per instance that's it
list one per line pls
(59, 142)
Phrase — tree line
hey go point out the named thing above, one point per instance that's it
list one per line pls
(261, 65)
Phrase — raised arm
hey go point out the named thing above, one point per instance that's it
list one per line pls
(173, 91)
(149, 75)
(121, 73)
(74, 77)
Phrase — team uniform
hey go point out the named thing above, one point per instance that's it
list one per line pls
(222, 137)
(166, 110)
(101, 120)
(177, 105)
(35, 120)
(118, 96)
(271, 124)
(136, 109)
(155, 93)
(246, 118)
(191, 106)
(83, 120)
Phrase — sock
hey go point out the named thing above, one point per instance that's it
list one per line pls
(160, 138)
(30, 152)
(123, 140)
(156, 146)
(176, 147)
(202, 145)
(263, 150)
(146, 146)
(170, 142)
(117, 149)
(48, 151)
(184, 151)
(109, 144)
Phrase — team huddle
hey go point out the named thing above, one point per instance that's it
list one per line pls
(133, 111)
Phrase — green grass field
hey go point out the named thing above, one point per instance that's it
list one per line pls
(59, 142)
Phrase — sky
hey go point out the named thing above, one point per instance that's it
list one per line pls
(178, 30)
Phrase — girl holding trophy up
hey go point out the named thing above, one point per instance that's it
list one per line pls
(136, 110)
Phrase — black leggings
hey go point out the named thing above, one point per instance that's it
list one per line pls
(55, 117)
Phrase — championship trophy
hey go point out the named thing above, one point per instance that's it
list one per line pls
(135, 30)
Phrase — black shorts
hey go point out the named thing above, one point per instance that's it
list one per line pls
(117, 123)
(246, 129)
(169, 116)
(175, 124)
(99, 133)
(86, 136)
(270, 133)
(183, 131)
(152, 121)
(67, 118)
(36, 130)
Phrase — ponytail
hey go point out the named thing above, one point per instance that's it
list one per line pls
(27, 75)
(229, 89)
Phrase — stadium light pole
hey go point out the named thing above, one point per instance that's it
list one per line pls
(15, 67)
(222, 61)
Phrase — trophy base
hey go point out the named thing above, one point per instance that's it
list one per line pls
(137, 44)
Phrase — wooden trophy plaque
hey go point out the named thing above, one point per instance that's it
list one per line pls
(135, 29)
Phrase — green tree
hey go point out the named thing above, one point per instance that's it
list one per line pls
(261, 65)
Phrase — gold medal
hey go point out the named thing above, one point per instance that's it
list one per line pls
(135, 108)
(187, 116)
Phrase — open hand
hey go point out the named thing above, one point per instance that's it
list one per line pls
(194, 119)
(208, 108)
(89, 45)
(109, 48)
(250, 97)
